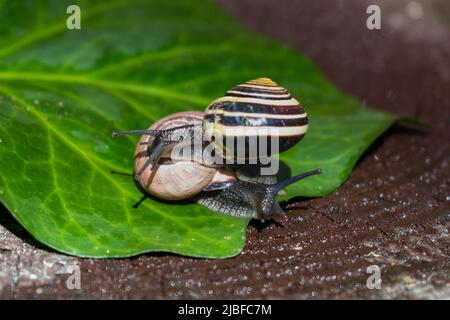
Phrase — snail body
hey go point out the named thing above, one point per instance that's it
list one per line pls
(247, 199)
(251, 111)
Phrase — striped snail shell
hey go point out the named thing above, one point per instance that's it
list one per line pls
(173, 179)
(251, 110)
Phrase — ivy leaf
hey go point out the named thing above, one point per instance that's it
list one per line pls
(62, 93)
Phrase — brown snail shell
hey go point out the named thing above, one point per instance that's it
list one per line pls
(179, 179)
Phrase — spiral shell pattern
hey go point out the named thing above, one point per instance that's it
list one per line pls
(177, 180)
(255, 108)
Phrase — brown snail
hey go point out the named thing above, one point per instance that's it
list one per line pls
(248, 113)
(174, 179)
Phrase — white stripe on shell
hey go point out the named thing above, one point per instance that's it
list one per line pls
(256, 115)
(290, 102)
(254, 94)
(237, 131)
(262, 87)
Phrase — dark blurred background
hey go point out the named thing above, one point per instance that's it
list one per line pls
(403, 68)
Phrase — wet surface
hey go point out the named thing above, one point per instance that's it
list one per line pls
(393, 212)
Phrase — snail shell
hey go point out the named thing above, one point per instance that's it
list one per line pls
(256, 108)
(175, 179)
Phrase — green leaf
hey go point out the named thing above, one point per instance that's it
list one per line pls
(62, 93)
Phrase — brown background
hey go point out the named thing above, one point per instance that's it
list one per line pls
(394, 211)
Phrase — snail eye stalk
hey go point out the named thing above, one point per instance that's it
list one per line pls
(283, 184)
(162, 138)
(141, 132)
(164, 135)
(152, 159)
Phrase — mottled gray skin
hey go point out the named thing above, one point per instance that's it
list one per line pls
(242, 199)
(249, 196)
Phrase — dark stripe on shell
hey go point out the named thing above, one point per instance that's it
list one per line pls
(258, 90)
(284, 143)
(234, 106)
(261, 122)
(232, 94)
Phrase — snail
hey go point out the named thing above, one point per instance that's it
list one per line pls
(257, 113)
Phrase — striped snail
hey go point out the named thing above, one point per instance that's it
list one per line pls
(256, 114)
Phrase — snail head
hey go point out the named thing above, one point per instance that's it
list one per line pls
(249, 199)
(266, 205)
(162, 139)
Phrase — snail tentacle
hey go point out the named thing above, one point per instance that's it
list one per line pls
(283, 184)
(152, 159)
(140, 132)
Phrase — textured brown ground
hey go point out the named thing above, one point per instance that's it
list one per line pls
(394, 211)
